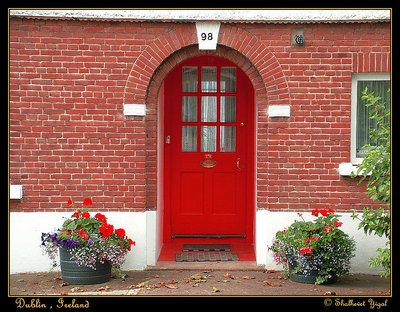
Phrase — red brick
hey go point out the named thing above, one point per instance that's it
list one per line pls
(70, 79)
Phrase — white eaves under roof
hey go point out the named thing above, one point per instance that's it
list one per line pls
(221, 15)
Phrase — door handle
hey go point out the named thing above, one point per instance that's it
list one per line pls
(238, 163)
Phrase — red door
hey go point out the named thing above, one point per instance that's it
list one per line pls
(208, 149)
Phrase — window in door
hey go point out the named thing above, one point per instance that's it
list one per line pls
(208, 112)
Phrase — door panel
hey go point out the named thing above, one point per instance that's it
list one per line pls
(208, 122)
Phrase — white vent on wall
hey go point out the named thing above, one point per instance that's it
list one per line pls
(15, 191)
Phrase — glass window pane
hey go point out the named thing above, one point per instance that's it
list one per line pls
(189, 139)
(364, 124)
(228, 139)
(228, 79)
(228, 109)
(208, 138)
(189, 79)
(209, 108)
(209, 79)
(189, 108)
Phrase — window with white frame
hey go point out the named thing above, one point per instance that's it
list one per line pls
(379, 83)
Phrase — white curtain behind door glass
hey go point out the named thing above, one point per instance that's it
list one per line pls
(228, 79)
(208, 108)
(189, 79)
(208, 138)
(189, 108)
(209, 79)
(228, 139)
(189, 138)
(228, 109)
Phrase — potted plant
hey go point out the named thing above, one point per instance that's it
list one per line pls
(314, 251)
(89, 247)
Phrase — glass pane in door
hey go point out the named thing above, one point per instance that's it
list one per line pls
(228, 79)
(228, 109)
(228, 139)
(208, 138)
(209, 79)
(189, 79)
(209, 109)
(189, 139)
(189, 108)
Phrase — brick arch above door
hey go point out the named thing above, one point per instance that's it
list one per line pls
(160, 57)
(246, 50)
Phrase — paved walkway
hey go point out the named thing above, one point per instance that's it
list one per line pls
(196, 281)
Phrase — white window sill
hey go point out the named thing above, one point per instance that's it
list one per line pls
(345, 169)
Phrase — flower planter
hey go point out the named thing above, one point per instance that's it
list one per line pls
(74, 274)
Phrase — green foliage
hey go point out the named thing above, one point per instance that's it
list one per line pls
(376, 171)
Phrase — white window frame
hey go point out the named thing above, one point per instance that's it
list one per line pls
(354, 82)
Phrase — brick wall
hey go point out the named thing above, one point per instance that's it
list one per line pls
(70, 79)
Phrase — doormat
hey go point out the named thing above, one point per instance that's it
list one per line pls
(206, 247)
(206, 256)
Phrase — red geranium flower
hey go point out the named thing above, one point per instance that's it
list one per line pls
(131, 242)
(76, 214)
(306, 250)
(106, 229)
(87, 201)
(315, 212)
(328, 229)
(337, 223)
(101, 217)
(120, 232)
(85, 215)
(323, 212)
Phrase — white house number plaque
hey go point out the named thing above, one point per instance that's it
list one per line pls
(207, 35)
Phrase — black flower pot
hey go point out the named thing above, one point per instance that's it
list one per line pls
(310, 278)
(74, 274)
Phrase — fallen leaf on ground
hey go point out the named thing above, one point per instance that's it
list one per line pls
(64, 284)
(227, 275)
(171, 286)
(330, 293)
(248, 277)
(270, 271)
(63, 293)
(20, 280)
(76, 289)
(276, 277)
(270, 284)
(142, 284)
(214, 289)
(224, 281)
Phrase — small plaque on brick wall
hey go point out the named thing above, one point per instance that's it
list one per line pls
(135, 109)
(279, 111)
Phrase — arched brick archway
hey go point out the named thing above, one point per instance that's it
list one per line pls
(266, 75)
(160, 57)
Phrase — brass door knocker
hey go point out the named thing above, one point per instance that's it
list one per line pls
(208, 162)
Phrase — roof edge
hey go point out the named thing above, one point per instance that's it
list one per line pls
(221, 15)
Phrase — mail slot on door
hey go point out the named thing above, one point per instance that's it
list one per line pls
(208, 162)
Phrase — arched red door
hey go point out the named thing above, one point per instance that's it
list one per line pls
(209, 150)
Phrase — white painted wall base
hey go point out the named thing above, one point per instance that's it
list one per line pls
(26, 229)
(268, 223)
